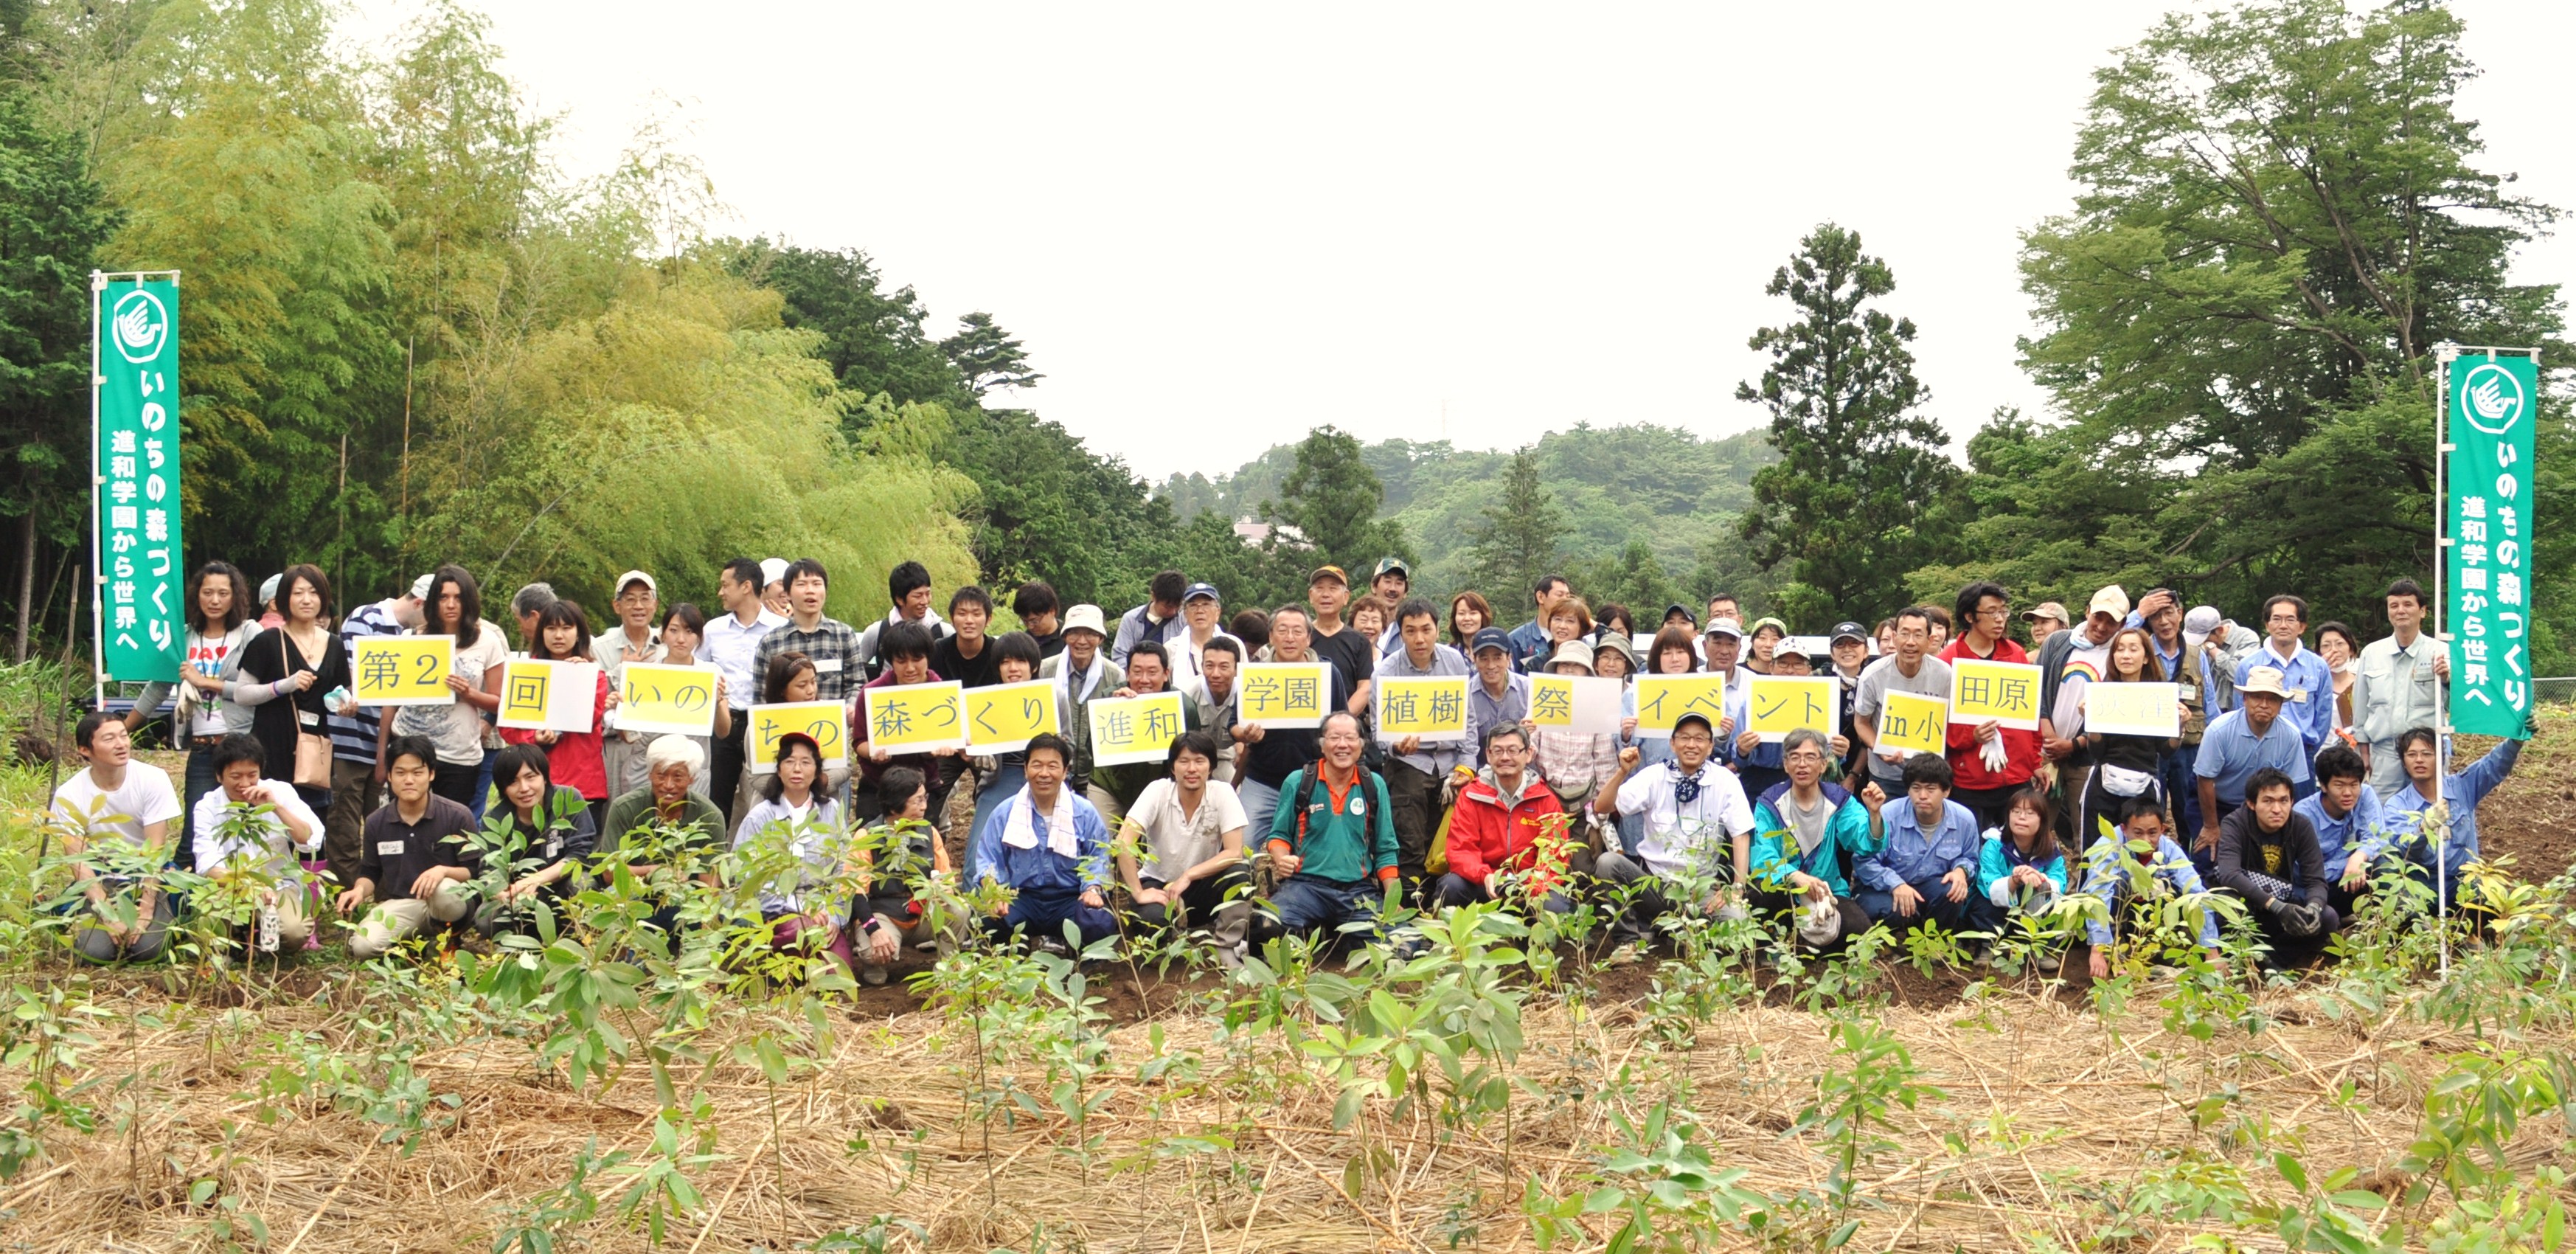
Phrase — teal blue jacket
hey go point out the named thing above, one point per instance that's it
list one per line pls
(1775, 843)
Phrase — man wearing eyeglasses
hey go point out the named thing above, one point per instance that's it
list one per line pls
(2307, 676)
(1990, 762)
(1694, 811)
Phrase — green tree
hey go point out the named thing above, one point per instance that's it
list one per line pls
(1858, 465)
(2281, 212)
(987, 357)
(1631, 577)
(1332, 499)
(51, 224)
(872, 338)
(1517, 539)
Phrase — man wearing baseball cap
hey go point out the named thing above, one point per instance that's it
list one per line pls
(1694, 809)
(2237, 744)
(1203, 620)
(1391, 582)
(356, 772)
(1723, 650)
(2068, 662)
(1354, 657)
(635, 638)
(1500, 692)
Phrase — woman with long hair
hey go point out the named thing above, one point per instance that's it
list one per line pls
(1000, 778)
(219, 627)
(799, 908)
(579, 758)
(292, 675)
(454, 608)
(543, 828)
(2126, 767)
(791, 678)
(2020, 868)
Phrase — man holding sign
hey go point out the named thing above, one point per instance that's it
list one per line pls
(1911, 668)
(1419, 765)
(905, 647)
(1990, 760)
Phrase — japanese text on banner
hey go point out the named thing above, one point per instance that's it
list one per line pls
(1430, 709)
(818, 719)
(402, 670)
(1777, 707)
(2006, 692)
(1002, 718)
(1662, 699)
(1283, 694)
(140, 577)
(915, 718)
(1913, 723)
(2489, 528)
(1134, 729)
(659, 698)
(549, 696)
(2149, 709)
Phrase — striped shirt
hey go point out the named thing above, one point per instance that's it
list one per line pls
(832, 646)
(353, 736)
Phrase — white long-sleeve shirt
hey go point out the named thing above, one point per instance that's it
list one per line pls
(218, 838)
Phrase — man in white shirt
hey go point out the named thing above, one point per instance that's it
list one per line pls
(229, 835)
(635, 638)
(1694, 811)
(1180, 850)
(2400, 674)
(117, 799)
(733, 645)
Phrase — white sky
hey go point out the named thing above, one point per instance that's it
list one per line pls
(1217, 226)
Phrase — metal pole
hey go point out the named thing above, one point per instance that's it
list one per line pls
(2442, 355)
(98, 578)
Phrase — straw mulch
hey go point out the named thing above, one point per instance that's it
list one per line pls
(2048, 1106)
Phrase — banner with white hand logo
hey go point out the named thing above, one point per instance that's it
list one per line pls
(2488, 524)
(140, 584)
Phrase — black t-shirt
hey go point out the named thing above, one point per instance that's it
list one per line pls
(1049, 644)
(980, 671)
(1354, 656)
(394, 853)
(569, 834)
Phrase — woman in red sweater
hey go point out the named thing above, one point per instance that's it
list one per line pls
(563, 635)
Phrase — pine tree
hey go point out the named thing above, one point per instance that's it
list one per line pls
(1332, 499)
(1517, 538)
(1859, 467)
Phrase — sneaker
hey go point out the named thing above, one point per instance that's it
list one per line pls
(926, 947)
(872, 976)
(1230, 956)
(1623, 955)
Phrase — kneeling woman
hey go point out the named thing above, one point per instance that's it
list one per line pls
(798, 902)
(896, 862)
(2020, 868)
(541, 831)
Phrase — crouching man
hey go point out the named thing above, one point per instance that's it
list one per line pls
(1051, 850)
(1332, 840)
(2268, 855)
(1801, 830)
(410, 860)
(1508, 822)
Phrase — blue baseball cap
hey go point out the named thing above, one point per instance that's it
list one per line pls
(1198, 590)
(1489, 638)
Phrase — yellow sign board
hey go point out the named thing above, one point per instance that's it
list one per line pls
(2132, 709)
(402, 670)
(549, 696)
(915, 718)
(660, 699)
(1430, 708)
(1134, 729)
(2006, 692)
(1284, 694)
(1663, 699)
(1776, 707)
(1913, 723)
(1003, 718)
(818, 719)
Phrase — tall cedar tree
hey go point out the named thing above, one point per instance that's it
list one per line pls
(1332, 499)
(1518, 538)
(1858, 467)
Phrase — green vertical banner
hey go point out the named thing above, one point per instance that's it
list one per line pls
(141, 580)
(2489, 525)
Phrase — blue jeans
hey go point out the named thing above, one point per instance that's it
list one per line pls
(482, 786)
(201, 775)
(1260, 806)
(1975, 914)
(1307, 903)
(1042, 914)
(1004, 783)
(2182, 788)
(1452, 891)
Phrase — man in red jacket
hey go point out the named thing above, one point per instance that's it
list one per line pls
(1991, 762)
(1508, 822)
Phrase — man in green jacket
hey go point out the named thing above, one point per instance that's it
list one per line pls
(1332, 841)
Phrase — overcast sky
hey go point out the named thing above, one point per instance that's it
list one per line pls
(1216, 226)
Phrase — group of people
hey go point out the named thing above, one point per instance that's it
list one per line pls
(2298, 778)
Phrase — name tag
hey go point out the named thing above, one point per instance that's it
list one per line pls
(389, 848)
(309, 718)
(554, 848)
(827, 666)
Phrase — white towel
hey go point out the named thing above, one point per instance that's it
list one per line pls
(1020, 832)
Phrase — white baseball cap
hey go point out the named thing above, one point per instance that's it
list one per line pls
(1084, 618)
(420, 587)
(637, 576)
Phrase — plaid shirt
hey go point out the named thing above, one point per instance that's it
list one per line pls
(1575, 761)
(833, 647)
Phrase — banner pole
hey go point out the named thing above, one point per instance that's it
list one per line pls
(97, 479)
(2442, 357)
